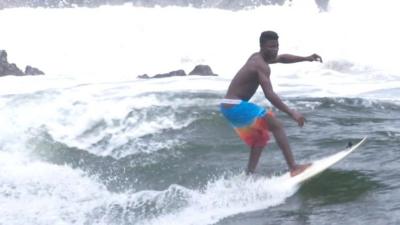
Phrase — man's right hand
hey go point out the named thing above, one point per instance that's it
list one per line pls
(314, 57)
(298, 117)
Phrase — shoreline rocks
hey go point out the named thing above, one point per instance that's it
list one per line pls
(7, 68)
(201, 70)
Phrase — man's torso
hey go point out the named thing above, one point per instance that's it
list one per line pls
(246, 81)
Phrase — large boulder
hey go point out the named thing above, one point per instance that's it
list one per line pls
(203, 70)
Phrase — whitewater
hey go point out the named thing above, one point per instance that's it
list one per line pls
(90, 143)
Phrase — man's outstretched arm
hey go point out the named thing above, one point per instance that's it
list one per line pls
(287, 58)
(265, 83)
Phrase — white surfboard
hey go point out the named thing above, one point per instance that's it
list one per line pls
(321, 165)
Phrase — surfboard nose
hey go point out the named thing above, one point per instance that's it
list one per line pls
(349, 145)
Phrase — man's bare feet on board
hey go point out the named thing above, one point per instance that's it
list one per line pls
(298, 169)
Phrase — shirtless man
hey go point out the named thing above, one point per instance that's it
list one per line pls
(251, 122)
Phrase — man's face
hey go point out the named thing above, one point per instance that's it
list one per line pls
(270, 49)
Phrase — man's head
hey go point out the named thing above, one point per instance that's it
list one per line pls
(269, 44)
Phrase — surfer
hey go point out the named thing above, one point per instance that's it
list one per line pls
(251, 122)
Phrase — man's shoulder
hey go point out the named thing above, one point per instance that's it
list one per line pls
(257, 62)
(255, 56)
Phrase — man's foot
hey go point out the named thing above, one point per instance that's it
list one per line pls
(298, 169)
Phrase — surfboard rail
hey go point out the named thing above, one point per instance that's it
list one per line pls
(320, 165)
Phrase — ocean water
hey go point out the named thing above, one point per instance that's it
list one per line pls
(89, 143)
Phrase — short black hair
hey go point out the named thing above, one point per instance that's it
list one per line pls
(267, 36)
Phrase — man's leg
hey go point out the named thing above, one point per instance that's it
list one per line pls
(255, 154)
(276, 127)
(278, 131)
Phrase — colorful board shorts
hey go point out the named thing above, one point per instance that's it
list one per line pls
(248, 122)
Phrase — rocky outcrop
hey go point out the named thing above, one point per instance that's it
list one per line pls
(203, 70)
(7, 68)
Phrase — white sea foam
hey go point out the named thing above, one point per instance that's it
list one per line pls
(229, 196)
(83, 115)
(40, 193)
(34, 192)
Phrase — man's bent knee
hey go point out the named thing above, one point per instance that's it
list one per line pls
(273, 122)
